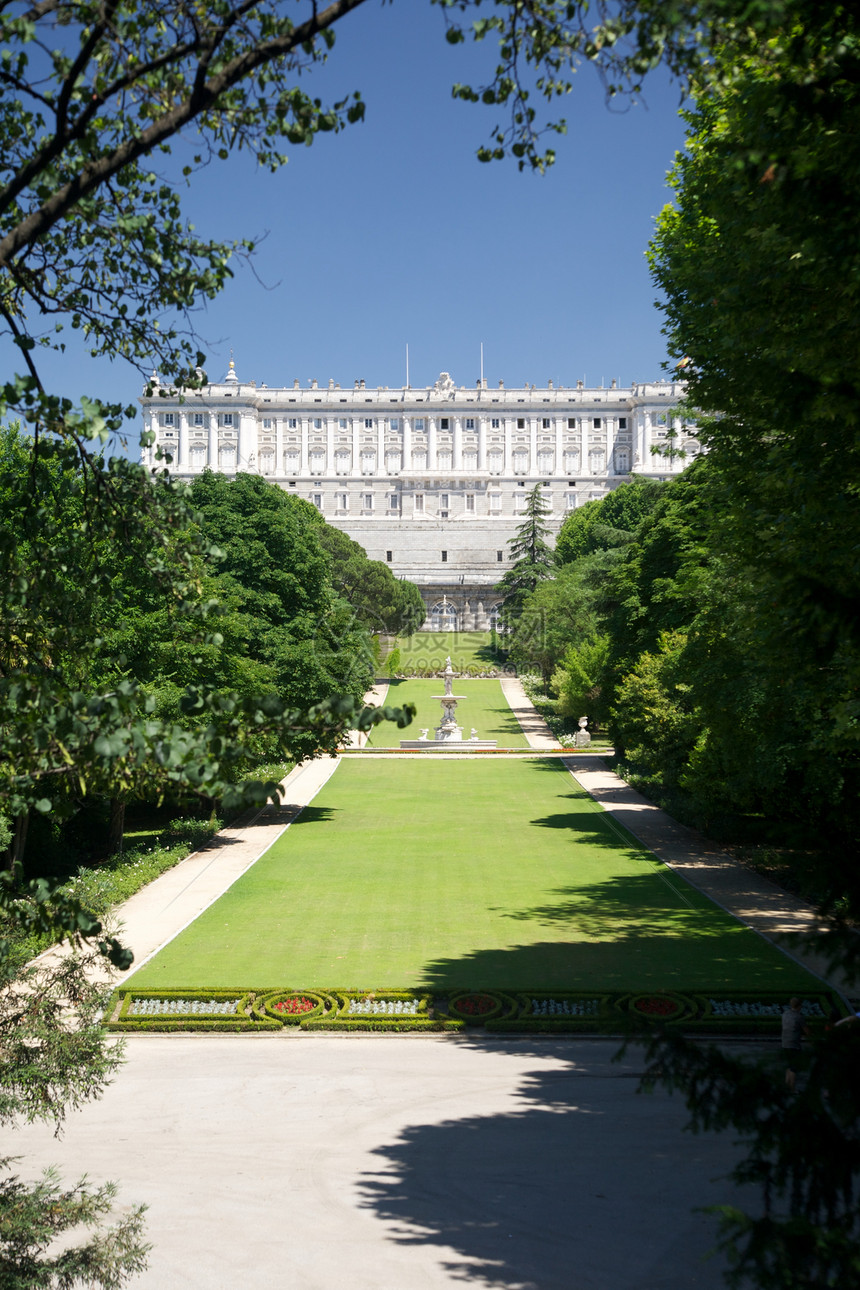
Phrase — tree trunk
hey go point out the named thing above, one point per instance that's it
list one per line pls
(116, 828)
(19, 839)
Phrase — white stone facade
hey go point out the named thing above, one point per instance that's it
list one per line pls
(429, 480)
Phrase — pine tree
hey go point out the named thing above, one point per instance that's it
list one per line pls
(533, 558)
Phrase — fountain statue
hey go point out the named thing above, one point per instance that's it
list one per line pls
(448, 735)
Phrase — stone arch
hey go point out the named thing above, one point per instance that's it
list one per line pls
(443, 616)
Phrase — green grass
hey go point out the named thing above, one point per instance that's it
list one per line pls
(482, 873)
(484, 707)
(427, 652)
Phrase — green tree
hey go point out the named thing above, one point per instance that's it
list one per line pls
(381, 602)
(559, 612)
(531, 555)
(606, 522)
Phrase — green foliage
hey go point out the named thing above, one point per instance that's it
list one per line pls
(34, 1217)
(608, 522)
(381, 602)
(654, 710)
(531, 555)
(800, 1150)
(558, 614)
(579, 681)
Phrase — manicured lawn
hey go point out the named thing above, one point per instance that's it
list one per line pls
(476, 872)
(484, 707)
(427, 651)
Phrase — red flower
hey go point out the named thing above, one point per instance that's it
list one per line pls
(475, 1005)
(654, 1006)
(296, 1004)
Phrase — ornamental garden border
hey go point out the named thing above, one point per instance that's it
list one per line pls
(724, 1012)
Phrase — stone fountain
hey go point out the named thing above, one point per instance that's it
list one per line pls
(448, 735)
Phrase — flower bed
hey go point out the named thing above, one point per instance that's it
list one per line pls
(183, 1007)
(657, 1007)
(535, 1012)
(189, 1010)
(291, 1007)
(477, 1007)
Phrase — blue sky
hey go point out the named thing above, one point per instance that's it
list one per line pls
(393, 233)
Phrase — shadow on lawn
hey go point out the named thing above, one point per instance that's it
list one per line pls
(315, 815)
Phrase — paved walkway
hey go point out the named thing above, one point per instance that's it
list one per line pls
(774, 913)
(160, 911)
(533, 726)
(329, 1162)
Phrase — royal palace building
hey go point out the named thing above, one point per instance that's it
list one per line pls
(430, 480)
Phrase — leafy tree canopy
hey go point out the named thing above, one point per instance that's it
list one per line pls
(381, 602)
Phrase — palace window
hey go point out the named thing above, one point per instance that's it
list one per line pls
(444, 423)
(470, 503)
(495, 500)
(226, 418)
(341, 501)
(267, 423)
(444, 557)
(470, 423)
(546, 423)
(419, 503)
(367, 501)
(571, 423)
(521, 423)
(443, 501)
(316, 498)
(342, 423)
(495, 423)
(419, 423)
(167, 419)
(292, 423)
(394, 423)
(622, 423)
(368, 423)
(388, 556)
(500, 556)
(596, 423)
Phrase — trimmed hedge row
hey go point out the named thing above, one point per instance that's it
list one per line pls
(522, 1012)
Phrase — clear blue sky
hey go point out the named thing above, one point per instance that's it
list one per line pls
(392, 232)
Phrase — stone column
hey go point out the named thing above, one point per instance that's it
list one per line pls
(182, 452)
(482, 443)
(329, 446)
(304, 435)
(279, 446)
(457, 453)
(356, 447)
(508, 437)
(431, 443)
(246, 446)
(533, 461)
(380, 447)
(213, 440)
(559, 447)
(407, 444)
